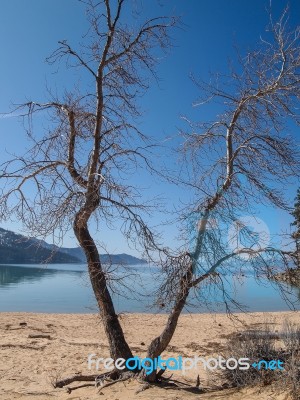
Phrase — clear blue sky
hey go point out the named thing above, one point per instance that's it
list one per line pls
(29, 31)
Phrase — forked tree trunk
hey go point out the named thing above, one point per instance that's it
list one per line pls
(117, 342)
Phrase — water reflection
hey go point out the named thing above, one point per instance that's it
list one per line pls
(13, 275)
(66, 288)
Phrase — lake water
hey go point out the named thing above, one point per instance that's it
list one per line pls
(66, 289)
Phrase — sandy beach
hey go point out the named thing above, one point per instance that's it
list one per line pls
(29, 365)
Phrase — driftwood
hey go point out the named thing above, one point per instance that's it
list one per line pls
(70, 389)
(75, 378)
(39, 337)
(114, 376)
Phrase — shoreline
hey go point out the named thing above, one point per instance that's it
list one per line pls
(154, 314)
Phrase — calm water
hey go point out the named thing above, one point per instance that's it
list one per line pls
(66, 289)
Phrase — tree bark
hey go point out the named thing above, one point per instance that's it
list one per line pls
(117, 342)
(160, 343)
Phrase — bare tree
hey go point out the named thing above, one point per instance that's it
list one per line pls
(78, 170)
(243, 157)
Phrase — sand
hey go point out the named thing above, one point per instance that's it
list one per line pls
(28, 366)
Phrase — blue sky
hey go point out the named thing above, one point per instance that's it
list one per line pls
(29, 31)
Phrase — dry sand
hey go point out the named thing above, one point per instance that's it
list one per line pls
(29, 365)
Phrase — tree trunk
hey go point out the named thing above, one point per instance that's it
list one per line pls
(117, 343)
(160, 343)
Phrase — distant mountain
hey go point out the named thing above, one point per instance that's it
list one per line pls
(18, 249)
(78, 253)
(105, 258)
(121, 259)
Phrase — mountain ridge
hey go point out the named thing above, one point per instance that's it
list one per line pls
(19, 249)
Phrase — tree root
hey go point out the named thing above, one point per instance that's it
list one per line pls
(187, 388)
(110, 378)
(191, 389)
(160, 373)
(144, 387)
(122, 378)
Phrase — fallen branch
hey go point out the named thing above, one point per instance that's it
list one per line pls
(75, 378)
(22, 346)
(70, 389)
(39, 337)
(114, 375)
